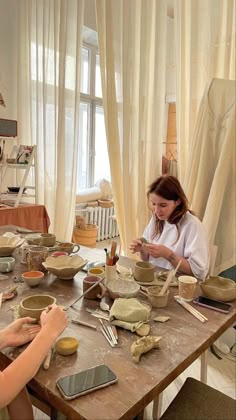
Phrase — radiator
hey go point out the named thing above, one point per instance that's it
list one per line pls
(107, 226)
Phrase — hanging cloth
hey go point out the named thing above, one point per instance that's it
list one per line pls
(210, 176)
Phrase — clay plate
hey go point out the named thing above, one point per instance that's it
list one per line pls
(65, 266)
(9, 244)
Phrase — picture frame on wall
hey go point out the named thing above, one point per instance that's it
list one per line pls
(23, 155)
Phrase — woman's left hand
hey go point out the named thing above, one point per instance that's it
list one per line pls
(19, 332)
(157, 251)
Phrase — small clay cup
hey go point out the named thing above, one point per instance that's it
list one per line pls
(48, 239)
(97, 292)
(156, 300)
(144, 271)
(96, 271)
(187, 287)
(68, 247)
(34, 305)
(33, 278)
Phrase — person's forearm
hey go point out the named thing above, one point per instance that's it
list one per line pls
(174, 259)
(3, 342)
(24, 368)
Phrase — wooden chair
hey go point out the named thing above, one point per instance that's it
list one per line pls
(198, 401)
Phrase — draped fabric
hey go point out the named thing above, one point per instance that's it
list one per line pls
(205, 49)
(132, 45)
(212, 175)
(49, 45)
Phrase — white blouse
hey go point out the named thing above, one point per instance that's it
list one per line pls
(192, 243)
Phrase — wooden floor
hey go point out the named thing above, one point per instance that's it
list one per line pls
(221, 376)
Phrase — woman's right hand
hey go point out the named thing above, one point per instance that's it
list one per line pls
(136, 246)
(55, 319)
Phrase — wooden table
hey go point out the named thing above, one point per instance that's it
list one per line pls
(30, 216)
(184, 339)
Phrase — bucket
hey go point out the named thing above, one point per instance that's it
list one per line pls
(87, 236)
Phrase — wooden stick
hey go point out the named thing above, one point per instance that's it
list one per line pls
(168, 280)
(88, 290)
(190, 309)
(48, 359)
(85, 324)
(113, 248)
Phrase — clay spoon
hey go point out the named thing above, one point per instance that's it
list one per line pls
(104, 306)
(168, 280)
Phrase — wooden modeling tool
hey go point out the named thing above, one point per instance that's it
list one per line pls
(169, 279)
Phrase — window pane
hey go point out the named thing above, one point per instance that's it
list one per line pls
(83, 155)
(85, 71)
(98, 83)
(102, 166)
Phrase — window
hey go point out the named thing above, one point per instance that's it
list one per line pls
(93, 162)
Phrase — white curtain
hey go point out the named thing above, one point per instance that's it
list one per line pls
(205, 49)
(49, 46)
(132, 44)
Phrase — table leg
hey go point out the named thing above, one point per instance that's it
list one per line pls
(157, 406)
(203, 374)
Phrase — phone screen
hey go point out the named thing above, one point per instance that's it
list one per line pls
(86, 381)
(213, 303)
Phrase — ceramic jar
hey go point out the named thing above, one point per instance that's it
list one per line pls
(35, 257)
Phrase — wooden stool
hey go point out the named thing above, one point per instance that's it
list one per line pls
(198, 401)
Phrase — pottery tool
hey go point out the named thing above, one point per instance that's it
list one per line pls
(83, 323)
(113, 248)
(190, 309)
(99, 316)
(109, 332)
(1, 294)
(48, 359)
(169, 279)
(106, 336)
(88, 290)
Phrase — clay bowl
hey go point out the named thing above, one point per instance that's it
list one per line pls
(34, 305)
(65, 266)
(219, 288)
(32, 278)
(9, 244)
(156, 300)
(66, 345)
(120, 288)
(144, 271)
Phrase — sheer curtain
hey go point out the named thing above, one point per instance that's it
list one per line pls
(49, 45)
(132, 44)
(205, 49)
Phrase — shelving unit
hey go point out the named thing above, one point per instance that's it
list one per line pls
(16, 198)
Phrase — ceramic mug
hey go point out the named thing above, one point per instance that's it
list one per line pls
(68, 247)
(187, 287)
(110, 273)
(7, 264)
(97, 292)
(48, 239)
(96, 271)
(144, 271)
(35, 257)
(23, 253)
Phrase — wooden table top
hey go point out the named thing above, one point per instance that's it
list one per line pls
(184, 338)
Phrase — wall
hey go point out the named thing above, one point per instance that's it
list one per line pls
(8, 58)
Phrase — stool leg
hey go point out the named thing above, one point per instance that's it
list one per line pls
(157, 405)
(203, 375)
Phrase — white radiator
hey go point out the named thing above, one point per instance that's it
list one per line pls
(107, 226)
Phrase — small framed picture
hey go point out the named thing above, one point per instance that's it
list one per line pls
(23, 155)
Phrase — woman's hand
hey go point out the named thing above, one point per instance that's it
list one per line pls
(157, 251)
(54, 319)
(19, 332)
(136, 246)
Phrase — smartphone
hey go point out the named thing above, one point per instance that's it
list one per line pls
(89, 380)
(213, 304)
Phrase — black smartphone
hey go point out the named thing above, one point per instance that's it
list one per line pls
(213, 304)
(89, 380)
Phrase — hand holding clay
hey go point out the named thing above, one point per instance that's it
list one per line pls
(143, 345)
(55, 319)
(19, 332)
